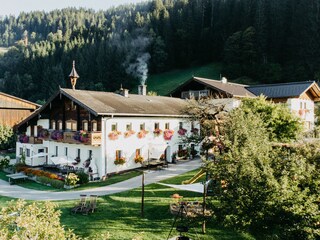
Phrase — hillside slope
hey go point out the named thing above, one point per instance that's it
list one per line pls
(164, 83)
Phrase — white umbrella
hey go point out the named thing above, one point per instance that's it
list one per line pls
(40, 154)
(62, 160)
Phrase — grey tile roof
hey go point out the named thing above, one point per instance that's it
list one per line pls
(107, 103)
(235, 89)
(281, 90)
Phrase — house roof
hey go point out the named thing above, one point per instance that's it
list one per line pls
(17, 103)
(107, 103)
(285, 90)
(234, 89)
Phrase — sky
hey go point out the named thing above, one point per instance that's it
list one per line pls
(14, 7)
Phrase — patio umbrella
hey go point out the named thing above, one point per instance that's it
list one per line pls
(62, 160)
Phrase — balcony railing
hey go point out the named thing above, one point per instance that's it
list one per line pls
(93, 138)
(195, 94)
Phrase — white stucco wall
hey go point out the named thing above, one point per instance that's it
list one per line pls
(129, 145)
(304, 109)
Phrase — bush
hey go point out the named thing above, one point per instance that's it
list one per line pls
(72, 179)
(4, 162)
(83, 177)
(53, 182)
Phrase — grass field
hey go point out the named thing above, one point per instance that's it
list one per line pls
(118, 216)
(166, 82)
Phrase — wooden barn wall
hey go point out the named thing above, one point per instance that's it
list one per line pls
(7, 102)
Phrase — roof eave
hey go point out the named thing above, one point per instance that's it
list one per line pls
(143, 115)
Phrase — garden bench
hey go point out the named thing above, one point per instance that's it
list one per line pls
(16, 176)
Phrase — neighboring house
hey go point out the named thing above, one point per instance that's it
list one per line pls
(13, 110)
(299, 96)
(202, 87)
(96, 128)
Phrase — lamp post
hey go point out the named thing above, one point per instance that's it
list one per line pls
(142, 195)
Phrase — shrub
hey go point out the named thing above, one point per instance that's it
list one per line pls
(71, 179)
(53, 182)
(83, 177)
(4, 162)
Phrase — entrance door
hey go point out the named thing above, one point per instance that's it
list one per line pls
(168, 154)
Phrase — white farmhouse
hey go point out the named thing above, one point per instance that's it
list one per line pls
(106, 131)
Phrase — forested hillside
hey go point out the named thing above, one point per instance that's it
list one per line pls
(266, 40)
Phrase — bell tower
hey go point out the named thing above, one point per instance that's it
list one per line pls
(73, 76)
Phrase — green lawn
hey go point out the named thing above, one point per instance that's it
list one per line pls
(119, 216)
(166, 82)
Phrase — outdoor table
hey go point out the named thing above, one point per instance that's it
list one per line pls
(16, 176)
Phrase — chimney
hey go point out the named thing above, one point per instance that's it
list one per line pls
(73, 76)
(224, 80)
(142, 90)
(125, 93)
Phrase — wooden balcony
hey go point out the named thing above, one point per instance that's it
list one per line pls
(195, 94)
(94, 138)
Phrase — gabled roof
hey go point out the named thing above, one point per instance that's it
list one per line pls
(16, 103)
(108, 103)
(285, 90)
(233, 89)
(112, 104)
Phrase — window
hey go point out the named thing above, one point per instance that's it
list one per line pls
(192, 125)
(167, 126)
(40, 150)
(21, 151)
(53, 124)
(305, 105)
(28, 152)
(156, 126)
(57, 152)
(180, 125)
(300, 105)
(90, 154)
(71, 125)
(59, 125)
(138, 152)
(142, 126)
(118, 154)
(180, 147)
(114, 127)
(66, 151)
(78, 152)
(129, 127)
(94, 126)
(85, 125)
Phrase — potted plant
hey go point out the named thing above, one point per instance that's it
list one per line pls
(168, 134)
(138, 159)
(129, 133)
(57, 135)
(120, 161)
(157, 132)
(114, 135)
(81, 136)
(43, 133)
(182, 131)
(142, 133)
(71, 180)
(23, 138)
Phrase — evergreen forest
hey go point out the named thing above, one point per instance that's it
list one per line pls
(263, 41)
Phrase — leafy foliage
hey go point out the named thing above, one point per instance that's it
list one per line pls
(20, 220)
(261, 188)
(282, 126)
(7, 137)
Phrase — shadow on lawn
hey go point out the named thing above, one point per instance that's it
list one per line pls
(119, 214)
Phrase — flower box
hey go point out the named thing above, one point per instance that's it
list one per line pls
(157, 132)
(168, 134)
(142, 134)
(57, 135)
(182, 131)
(114, 135)
(138, 159)
(120, 161)
(129, 133)
(81, 136)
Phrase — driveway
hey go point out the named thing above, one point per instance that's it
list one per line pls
(173, 170)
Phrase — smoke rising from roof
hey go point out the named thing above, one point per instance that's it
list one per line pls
(137, 60)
